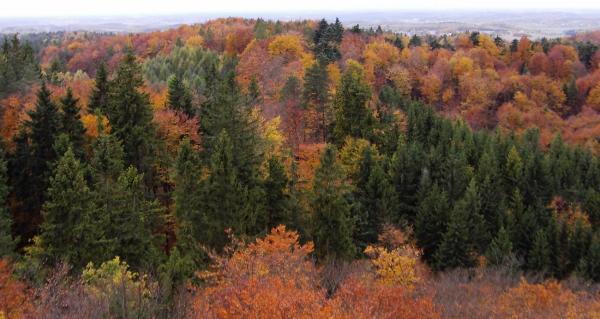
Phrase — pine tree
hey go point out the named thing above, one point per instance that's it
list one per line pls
(64, 230)
(276, 195)
(254, 92)
(499, 251)
(227, 201)
(589, 266)
(7, 243)
(539, 255)
(488, 178)
(191, 222)
(332, 226)
(579, 240)
(132, 223)
(130, 114)
(406, 169)
(179, 97)
(476, 225)
(431, 222)
(316, 99)
(457, 248)
(99, 97)
(32, 160)
(71, 124)
(231, 113)
(352, 115)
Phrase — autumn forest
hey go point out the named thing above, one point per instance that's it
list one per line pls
(267, 169)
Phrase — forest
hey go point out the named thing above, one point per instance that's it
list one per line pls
(258, 168)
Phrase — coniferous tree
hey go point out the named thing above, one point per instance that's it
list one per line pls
(332, 226)
(316, 98)
(132, 223)
(539, 255)
(32, 160)
(579, 241)
(191, 231)
(254, 92)
(276, 196)
(457, 248)
(499, 250)
(7, 243)
(589, 266)
(231, 113)
(431, 222)
(71, 124)
(228, 203)
(352, 115)
(179, 97)
(406, 168)
(99, 97)
(64, 231)
(488, 178)
(130, 114)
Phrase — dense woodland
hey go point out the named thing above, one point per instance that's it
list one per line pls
(252, 168)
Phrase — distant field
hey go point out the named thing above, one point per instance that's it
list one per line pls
(507, 24)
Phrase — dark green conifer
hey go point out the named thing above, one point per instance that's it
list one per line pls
(71, 124)
(130, 114)
(589, 266)
(99, 97)
(332, 226)
(179, 97)
(457, 248)
(7, 243)
(499, 251)
(538, 259)
(431, 222)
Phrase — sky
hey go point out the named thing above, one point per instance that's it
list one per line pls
(38, 8)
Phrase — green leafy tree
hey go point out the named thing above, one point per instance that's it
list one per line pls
(332, 226)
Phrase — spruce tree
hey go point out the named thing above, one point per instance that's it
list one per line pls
(539, 255)
(589, 266)
(457, 248)
(130, 114)
(332, 226)
(431, 222)
(406, 169)
(316, 99)
(132, 223)
(231, 113)
(99, 97)
(71, 124)
(276, 196)
(7, 243)
(352, 114)
(64, 231)
(179, 97)
(227, 201)
(579, 240)
(499, 251)
(191, 223)
(32, 160)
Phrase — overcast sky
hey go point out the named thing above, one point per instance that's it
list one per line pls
(23, 8)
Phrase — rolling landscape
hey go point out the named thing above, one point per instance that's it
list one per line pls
(301, 164)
